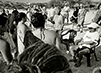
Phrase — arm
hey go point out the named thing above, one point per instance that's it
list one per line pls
(96, 18)
(62, 22)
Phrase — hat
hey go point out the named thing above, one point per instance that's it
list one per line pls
(93, 25)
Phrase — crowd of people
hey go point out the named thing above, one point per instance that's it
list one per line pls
(25, 37)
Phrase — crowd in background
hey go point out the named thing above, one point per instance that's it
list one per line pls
(19, 31)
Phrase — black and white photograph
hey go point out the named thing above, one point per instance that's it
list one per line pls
(50, 36)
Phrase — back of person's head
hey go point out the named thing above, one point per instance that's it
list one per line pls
(15, 12)
(3, 22)
(38, 20)
(97, 70)
(21, 16)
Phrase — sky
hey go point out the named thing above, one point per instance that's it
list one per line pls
(30, 1)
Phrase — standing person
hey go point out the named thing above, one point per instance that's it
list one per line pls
(50, 13)
(97, 18)
(12, 25)
(81, 17)
(21, 30)
(28, 14)
(74, 18)
(65, 12)
(58, 19)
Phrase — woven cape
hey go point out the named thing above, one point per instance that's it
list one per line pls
(39, 57)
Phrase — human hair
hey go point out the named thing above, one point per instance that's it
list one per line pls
(38, 20)
(21, 15)
(99, 6)
(3, 20)
(3, 24)
(15, 12)
(14, 17)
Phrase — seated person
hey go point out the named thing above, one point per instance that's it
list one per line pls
(90, 39)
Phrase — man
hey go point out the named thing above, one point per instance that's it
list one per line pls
(89, 40)
(65, 12)
(81, 17)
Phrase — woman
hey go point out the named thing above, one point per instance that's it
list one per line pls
(12, 25)
(21, 30)
(74, 17)
(81, 17)
(47, 36)
(40, 50)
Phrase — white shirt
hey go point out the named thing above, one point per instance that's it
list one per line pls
(65, 11)
(50, 12)
(91, 36)
(58, 19)
(21, 29)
